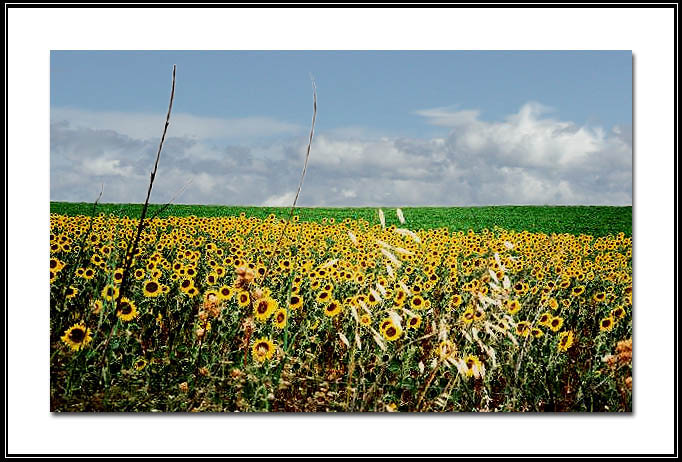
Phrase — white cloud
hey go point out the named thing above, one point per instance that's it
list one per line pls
(183, 125)
(526, 158)
(102, 166)
(282, 200)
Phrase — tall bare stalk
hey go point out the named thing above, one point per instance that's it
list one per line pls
(300, 183)
(132, 245)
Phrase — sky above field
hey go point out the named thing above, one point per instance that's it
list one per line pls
(394, 128)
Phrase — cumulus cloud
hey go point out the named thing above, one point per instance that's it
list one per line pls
(528, 157)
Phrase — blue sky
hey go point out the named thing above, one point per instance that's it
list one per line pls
(448, 110)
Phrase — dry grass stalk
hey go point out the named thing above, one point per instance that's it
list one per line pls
(382, 218)
(401, 217)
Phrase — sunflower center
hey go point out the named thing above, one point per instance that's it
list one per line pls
(391, 331)
(76, 335)
(152, 286)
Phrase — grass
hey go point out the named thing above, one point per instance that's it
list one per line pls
(593, 220)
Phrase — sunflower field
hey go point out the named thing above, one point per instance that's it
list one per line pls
(261, 314)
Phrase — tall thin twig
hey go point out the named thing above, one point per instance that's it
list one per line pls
(132, 245)
(300, 183)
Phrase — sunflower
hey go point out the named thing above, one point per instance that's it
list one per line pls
(89, 273)
(56, 264)
(77, 336)
(578, 291)
(225, 293)
(468, 316)
(556, 323)
(323, 297)
(118, 276)
(109, 293)
(264, 307)
(618, 313)
(263, 349)
(545, 319)
(140, 364)
(212, 279)
(392, 332)
(599, 297)
(513, 306)
(399, 297)
(365, 320)
(127, 311)
(523, 328)
(414, 322)
(280, 318)
(333, 308)
(565, 340)
(417, 302)
(71, 292)
(139, 274)
(243, 299)
(552, 303)
(186, 285)
(456, 300)
(606, 324)
(373, 299)
(295, 302)
(151, 288)
(537, 333)
(479, 315)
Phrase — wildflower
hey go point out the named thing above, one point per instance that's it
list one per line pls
(606, 324)
(77, 337)
(127, 310)
(280, 318)
(151, 288)
(263, 349)
(565, 340)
